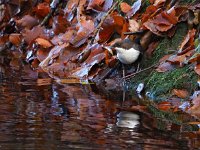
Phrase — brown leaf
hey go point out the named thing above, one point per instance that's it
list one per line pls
(195, 109)
(121, 25)
(197, 69)
(152, 46)
(159, 2)
(96, 4)
(164, 106)
(43, 42)
(15, 39)
(31, 35)
(176, 59)
(150, 12)
(86, 27)
(60, 24)
(108, 28)
(42, 9)
(162, 22)
(180, 93)
(188, 40)
(27, 22)
(125, 8)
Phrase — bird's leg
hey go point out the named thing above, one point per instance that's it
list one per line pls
(138, 67)
(124, 74)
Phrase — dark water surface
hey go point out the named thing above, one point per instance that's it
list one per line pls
(38, 114)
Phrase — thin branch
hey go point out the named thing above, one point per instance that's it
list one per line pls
(102, 21)
(135, 73)
(87, 49)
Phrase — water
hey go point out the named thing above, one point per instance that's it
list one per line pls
(38, 114)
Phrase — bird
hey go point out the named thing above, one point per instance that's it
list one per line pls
(128, 51)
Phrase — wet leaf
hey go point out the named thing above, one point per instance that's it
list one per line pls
(136, 6)
(180, 93)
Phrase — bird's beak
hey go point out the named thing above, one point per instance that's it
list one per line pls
(109, 48)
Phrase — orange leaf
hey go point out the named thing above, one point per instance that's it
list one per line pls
(43, 42)
(125, 7)
(180, 93)
(15, 39)
(164, 106)
(188, 40)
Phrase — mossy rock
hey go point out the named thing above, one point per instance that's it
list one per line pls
(160, 85)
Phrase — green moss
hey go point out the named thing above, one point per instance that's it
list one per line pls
(161, 84)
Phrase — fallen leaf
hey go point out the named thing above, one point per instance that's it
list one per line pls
(136, 6)
(197, 69)
(42, 9)
(164, 67)
(164, 106)
(43, 42)
(125, 8)
(31, 35)
(27, 22)
(180, 93)
(188, 40)
(133, 25)
(15, 39)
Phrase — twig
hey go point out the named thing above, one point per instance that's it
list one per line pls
(135, 73)
(101, 22)
(54, 4)
(87, 49)
(134, 33)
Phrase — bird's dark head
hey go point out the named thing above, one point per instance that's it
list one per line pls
(128, 44)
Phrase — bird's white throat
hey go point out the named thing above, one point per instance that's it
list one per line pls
(127, 56)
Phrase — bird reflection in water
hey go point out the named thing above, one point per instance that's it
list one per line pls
(127, 120)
